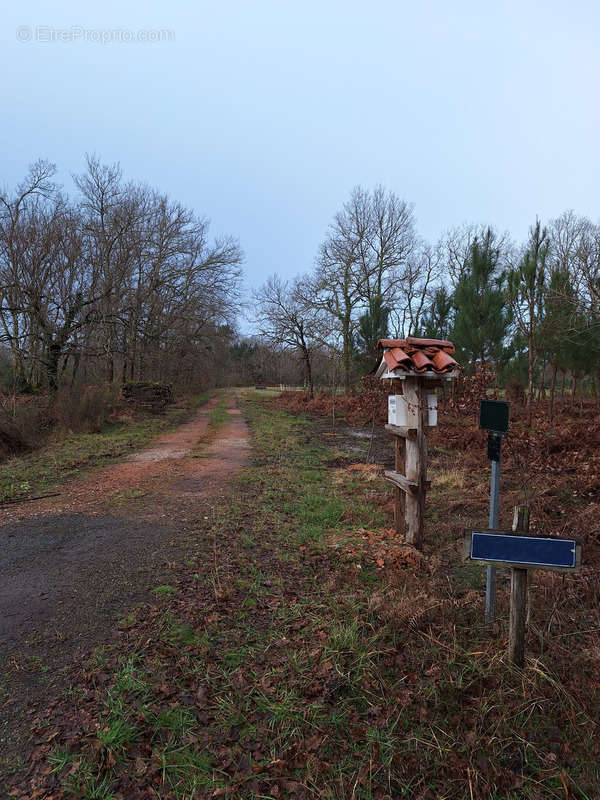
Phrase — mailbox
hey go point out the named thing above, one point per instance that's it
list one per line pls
(397, 411)
(404, 416)
(432, 410)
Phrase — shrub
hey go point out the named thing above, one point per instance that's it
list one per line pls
(12, 439)
(87, 408)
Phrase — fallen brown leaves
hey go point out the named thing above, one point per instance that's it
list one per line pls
(381, 546)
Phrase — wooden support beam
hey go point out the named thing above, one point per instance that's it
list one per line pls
(405, 433)
(401, 481)
(518, 597)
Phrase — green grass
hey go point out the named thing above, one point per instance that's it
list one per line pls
(161, 591)
(262, 394)
(218, 414)
(278, 667)
(69, 455)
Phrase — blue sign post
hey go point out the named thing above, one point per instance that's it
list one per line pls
(525, 552)
(521, 552)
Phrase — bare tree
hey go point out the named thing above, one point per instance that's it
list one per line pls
(335, 288)
(363, 265)
(419, 279)
(111, 215)
(122, 276)
(387, 234)
(17, 239)
(287, 320)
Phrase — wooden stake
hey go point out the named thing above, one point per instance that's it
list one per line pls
(518, 597)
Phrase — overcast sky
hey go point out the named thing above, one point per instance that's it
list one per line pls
(264, 115)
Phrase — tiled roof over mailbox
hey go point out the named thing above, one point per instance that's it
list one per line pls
(417, 356)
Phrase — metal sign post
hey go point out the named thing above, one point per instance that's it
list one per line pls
(490, 583)
(493, 417)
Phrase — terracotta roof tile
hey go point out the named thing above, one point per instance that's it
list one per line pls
(420, 361)
(417, 356)
(396, 357)
(444, 362)
(412, 342)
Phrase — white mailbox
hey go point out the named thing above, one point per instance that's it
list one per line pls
(397, 414)
(432, 410)
(400, 414)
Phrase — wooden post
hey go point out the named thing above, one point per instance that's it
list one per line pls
(518, 596)
(416, 461)
(410, 471)
(400, 457)
(399, 462)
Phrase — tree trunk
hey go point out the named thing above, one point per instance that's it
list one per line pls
(52, 362)
(530, 370)
(574, 392)
(311, 390)
(552, 388)
(76, 360)
(542, 386)
(346, 357)
(309, 377)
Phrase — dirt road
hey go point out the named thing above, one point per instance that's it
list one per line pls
(73, 566)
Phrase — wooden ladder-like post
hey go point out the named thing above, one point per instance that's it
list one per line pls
(410, 463)
(416, 461)
(399, 462)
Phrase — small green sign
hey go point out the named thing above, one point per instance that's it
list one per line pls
(493, 415)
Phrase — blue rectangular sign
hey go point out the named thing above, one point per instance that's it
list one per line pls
(530, 551)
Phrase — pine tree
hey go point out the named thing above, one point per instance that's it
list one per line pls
(372, 326)
(557, 325)
(481, 316)
(438, 319)
(526, 289)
